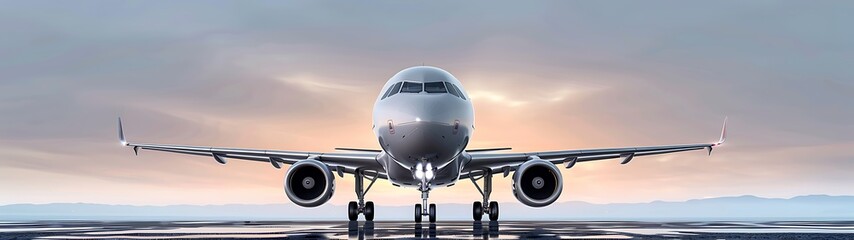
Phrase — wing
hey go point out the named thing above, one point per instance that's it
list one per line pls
(340, 162)
(481, 163)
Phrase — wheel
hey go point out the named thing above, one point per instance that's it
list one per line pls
(477, 211)
(418, 213)
(353, 211)
(493, 211)
(369, 211)
(432, 213)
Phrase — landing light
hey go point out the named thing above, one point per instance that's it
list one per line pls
(423, 172)
(428, 172)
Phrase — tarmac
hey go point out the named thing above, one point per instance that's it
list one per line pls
(440, 230)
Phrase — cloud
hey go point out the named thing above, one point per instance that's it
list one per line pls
(495, 97)
(318, 85)
(521, 100)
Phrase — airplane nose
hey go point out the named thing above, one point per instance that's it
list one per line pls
(424, 127)
(416, 141)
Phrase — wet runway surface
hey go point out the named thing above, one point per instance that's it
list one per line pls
(441, 230)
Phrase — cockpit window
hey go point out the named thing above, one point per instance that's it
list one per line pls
(395, 89)
(387, 92)
(412, 87)
(435, 87)
(458, 91)
(451, 90)
(392, 90)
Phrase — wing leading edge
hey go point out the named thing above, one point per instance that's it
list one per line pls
(482, 163)
(340, 162)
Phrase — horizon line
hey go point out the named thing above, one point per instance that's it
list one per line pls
(514, 202)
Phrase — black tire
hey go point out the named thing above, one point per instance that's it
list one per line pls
(493, 211)
(477, 211)
(353, 211)
(369, 211)
(432, 213)
(418, 213)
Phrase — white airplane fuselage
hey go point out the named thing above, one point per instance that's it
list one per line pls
(423, 133)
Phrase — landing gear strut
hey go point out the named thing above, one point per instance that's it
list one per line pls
(366, 208)
(422, 211)
(478, 208)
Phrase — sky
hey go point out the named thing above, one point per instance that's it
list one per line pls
(543, 75)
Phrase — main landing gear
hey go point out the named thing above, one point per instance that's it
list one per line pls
(421, 211)
(366, 208)
(478, 208)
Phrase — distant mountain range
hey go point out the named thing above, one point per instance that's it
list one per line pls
(811, 207)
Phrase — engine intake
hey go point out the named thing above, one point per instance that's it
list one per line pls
(537, 183)
(309, 183)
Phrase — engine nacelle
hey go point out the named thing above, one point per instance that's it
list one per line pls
(309, 183)
(537, 183)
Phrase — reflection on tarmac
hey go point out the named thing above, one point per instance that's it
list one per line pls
(420, 230)
(441, 230)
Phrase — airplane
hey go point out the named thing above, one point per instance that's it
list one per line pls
(423, 120)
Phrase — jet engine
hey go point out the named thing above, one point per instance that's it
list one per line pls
(537, 183)
(309, 183)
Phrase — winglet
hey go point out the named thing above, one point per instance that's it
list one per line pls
(122, 134)
(723, 134)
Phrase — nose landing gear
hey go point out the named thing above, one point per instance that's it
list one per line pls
(421, 211)
(478, 208)
(366, 208)
(432, 213)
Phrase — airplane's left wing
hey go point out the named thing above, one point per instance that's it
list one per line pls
(341, 162)
(483, 163)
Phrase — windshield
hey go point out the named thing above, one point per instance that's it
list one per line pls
(411, 87)
(435, 87)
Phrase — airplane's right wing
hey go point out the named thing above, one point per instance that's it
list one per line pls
(342, 162)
